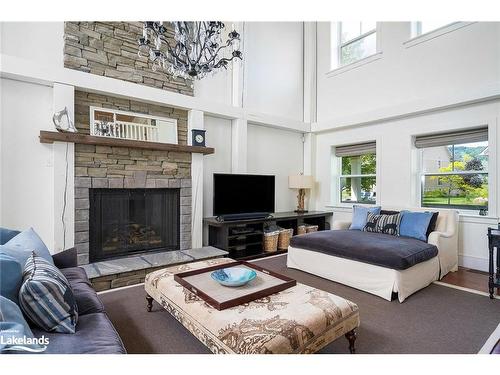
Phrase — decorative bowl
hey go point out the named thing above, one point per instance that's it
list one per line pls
(233, 276)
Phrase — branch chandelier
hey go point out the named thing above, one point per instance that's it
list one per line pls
(198, 48)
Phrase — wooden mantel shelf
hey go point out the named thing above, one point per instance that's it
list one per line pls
(51, 137)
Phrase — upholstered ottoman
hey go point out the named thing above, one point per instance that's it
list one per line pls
(300, 319)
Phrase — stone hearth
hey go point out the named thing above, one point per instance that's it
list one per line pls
(117, 273)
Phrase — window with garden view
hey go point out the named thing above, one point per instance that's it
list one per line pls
(455, 176)
(358, 179)
(355, 41)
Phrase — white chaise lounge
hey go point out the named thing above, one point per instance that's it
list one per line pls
(383, 281)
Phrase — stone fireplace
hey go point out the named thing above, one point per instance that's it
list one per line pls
(124, 222)
(135, 184)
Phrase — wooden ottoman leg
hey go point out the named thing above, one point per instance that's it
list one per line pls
(150, 303)
(351, 336)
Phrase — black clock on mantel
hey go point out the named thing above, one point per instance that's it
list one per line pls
(198, 137)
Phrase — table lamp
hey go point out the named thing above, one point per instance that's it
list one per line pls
(302, 183)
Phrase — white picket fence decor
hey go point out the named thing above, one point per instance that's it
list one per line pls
(106, 124)
(125, 130)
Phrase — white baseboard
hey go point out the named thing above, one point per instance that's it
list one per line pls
(475, 263)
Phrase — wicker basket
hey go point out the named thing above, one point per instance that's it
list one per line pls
(284, 238)
(271, 241)
(301, 229)
(311, 228)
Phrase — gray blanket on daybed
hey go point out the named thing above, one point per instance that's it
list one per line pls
(379, 249)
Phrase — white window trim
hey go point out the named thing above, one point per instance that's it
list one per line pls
(356, 64)
(434, 33)
(492, 175)
(336, 173)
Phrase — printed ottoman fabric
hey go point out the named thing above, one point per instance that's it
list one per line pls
(301, 319)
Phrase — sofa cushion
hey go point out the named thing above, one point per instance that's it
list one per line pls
(21, 246)
(360, 214)
(15, 334)
(46, 297)
(387, 224)
(85, 296)
(86, 299)
(415, 224)
(94, 335)
(75, 275)
(7, 234)
(374, 248)
(11, 276)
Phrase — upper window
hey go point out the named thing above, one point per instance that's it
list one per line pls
(455, 170)
(419, 28)
(357, 180)
(353, 41)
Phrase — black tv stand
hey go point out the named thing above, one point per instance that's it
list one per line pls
(247, 216)
(243, 237)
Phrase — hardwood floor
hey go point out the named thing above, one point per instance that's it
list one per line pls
(468, 278)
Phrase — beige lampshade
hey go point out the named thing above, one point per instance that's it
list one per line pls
(300, 182)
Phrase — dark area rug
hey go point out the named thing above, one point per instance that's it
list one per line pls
(436, 319)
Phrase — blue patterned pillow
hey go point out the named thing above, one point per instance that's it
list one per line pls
(46, 297)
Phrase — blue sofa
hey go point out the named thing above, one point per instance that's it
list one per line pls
(95, 334)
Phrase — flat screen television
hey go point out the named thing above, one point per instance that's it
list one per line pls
(243, 194)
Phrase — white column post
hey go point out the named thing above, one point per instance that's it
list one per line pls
(239, 145)
(196, 121)
(309, 40)
(309, 72)
(238, 69)
(64, 175)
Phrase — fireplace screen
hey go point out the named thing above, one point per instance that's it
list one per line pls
(128, 221)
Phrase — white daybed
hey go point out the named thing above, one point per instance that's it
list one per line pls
(383, 281)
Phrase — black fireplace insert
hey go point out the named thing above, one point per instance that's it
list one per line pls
(129, 221)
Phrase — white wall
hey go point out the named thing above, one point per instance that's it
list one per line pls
(274, 68)
(276, 152)
(397, 168)
(461, 63)
(357, 105)
(27, 178)
(218, 136)
(42, 42)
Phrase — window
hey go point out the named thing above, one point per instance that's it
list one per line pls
(455, 170)
(352, 41)
(419, 28)
(357, 179)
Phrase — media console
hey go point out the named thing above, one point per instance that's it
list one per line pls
(243, 239)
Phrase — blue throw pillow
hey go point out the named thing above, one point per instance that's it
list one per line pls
(21, 246)
(15, 334)
(415, 224)
(7, 234)
(11, 276)
(46, 297)
(359, 215)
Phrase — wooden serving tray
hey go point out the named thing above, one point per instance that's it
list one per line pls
(222, 297)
